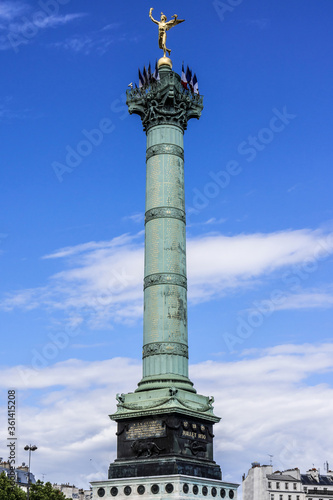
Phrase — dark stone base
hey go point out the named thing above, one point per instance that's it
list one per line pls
(164, 467)
(163, 445)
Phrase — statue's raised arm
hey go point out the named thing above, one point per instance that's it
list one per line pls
(163, 27)
(151, 17)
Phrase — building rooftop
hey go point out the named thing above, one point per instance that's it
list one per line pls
(308, 479)
(281, 477)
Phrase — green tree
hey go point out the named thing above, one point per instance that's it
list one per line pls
(41, 491)
(9, 491)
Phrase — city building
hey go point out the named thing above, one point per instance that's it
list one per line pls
(21, 474)
(71, 491)
(316, 485)
(261, 483)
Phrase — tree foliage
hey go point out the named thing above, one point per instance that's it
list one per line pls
(41, 491)
(38, 491)
(8, 490)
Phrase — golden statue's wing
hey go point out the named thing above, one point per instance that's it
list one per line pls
(172, 23)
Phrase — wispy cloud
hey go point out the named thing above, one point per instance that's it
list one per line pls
(211, 221)
(84, 44)
(11, 10)
(54, 21)
(90, 346)
(8, 111)
(103, 280)
(310, 299)
(267, 399)
(219, 263)
(137, 218)
(95, 41)
(118, 241)
(19, 23)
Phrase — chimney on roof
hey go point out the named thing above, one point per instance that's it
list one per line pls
(255, 464)
(314, 474)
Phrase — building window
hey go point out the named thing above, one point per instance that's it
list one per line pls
(272, 496)
(289, 497)
(295, 486)
(269, 484)
(277, 486)
(297, 497)
(281, 497)
(287, 486)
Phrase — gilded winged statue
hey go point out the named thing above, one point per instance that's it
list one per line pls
(163, 27)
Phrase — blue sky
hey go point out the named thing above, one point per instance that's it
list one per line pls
(259, 236)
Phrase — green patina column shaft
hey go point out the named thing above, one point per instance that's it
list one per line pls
(167, 107)
(165, 345)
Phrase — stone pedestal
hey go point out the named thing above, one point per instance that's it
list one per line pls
(165, 444)
(173, 487)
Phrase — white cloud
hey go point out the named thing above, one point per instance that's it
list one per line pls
(312, 299)
(40, 20)
(137, 218)
(95, 41)
(78, 43)
(19, 23)
(118, 241)
(267, 398)
(104, 279)
(10, 10)
(217, 263)
(87, 43)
